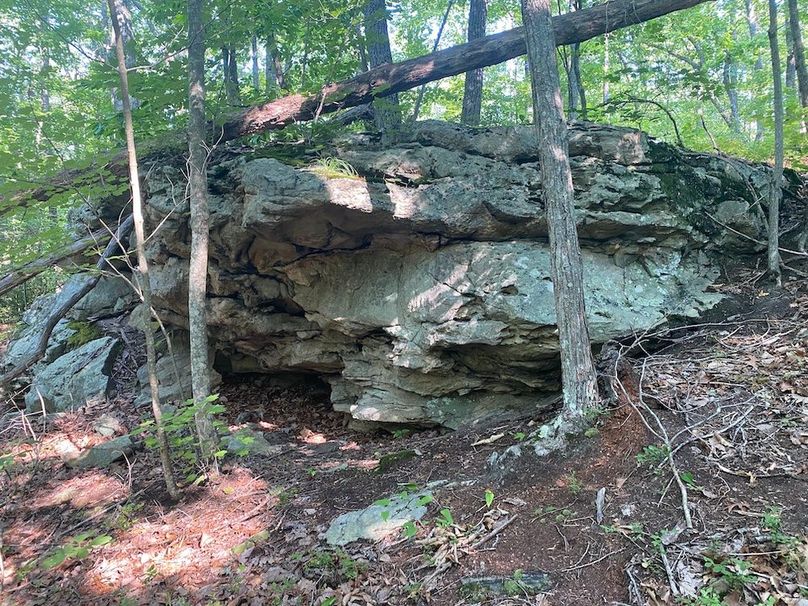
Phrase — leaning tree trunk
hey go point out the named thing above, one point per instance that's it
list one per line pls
(143, 266)
(377, 38)
(473, 88)
(799, 51)
(577, 366)
(775, 192)
(198, 269)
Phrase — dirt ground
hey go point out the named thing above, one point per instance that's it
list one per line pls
(723, 403)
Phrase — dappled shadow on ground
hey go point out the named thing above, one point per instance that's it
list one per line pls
(731, 397)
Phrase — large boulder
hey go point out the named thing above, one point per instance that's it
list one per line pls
(111, 296)
(416, 281)
(80, 377)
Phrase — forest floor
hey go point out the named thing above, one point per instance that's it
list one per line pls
(728, 399)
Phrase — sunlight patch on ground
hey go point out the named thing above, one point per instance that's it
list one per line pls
(87, 490)
(189, 542)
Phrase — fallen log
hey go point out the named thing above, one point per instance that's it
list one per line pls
(387, 79)
(60, 312)
(392, 78)
(23, 273)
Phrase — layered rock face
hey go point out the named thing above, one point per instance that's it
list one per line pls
(416, 279)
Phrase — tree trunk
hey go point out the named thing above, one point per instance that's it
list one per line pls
(578, 82)
(230, 74)
(386, 80)
(791, 62)
(363, 56)
(730, 77)
(273, 70)
(577, 366)
(799, 51)
(417, 109)
(143, 266)
(473, 88)
(751, 22)
(377, 38)
(776, 191)
(198, 191)
(606, 67)
(256, 79)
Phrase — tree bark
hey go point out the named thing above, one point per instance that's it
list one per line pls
(775, 191)
(799, 51)
(386, 80)
(142, 275)
(199, 221)
(377, 38)
(473, 87)
(23, 273)
(577, 365)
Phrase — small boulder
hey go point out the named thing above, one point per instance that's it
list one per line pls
(381, 519)
(80, 376)
(104, 454)
(251, 442)
(108, 425)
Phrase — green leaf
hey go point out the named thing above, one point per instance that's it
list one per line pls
(56, 558)
(103, 539)
(489, 497)
(410, 530)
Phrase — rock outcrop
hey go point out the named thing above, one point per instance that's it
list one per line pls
(416, 279)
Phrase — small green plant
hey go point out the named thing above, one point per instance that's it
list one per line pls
(333, 168)
(7, 465)
(735, 572)
(444, 519)
(286, 495)
(591, 432)
(652, 454)
(83, 332)
(337, 565)
(561, 516)
(399, 434)
(180, 428)
(76, 548)
(574, 483)
(150, 574)
(519, 436)
(126, 516)
(707, 597)
(689, 479)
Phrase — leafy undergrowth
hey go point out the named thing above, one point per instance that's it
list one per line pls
(727, 402)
